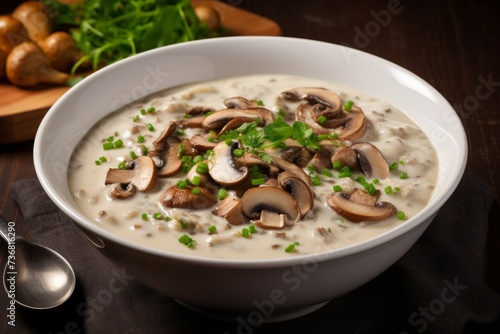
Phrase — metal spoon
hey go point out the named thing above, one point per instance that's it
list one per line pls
(35, 276)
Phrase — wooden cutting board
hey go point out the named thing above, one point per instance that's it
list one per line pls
(22, 109)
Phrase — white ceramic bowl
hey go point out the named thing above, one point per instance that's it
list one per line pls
(273, 289)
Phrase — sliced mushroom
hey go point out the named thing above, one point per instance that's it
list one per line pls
(191, 122)
(123, 191)
(371, 160)
(202, 143)
(219, 119)
(230, 209)
(188, 148)
(160, 142)
(272, 220)
(315, 95)
(291, 167)
(199, 110)
(239, 102)
(297, 155)
(168, 161)
(348, 126)
(222, 166)
(143, 176)
(358, 212)
(301, 192)
(273, 199)
(346, 156)
(250, 160)
(234, 124)
(175, 197)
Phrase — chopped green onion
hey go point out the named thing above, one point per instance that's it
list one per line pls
(168, 218)
(401, 215)
(157, 215)
(144, 216)
(393, 166)
(97, 162)
(122, 165)
(403, 176)
(252, 229)
(344, 172)
(118, 143)
(334, 135)
(337, 188)
(133, 155)
(260, 103)
(108, 146)
(196, 191)
(181, 151)
(376, 181)
(103, 159)
(348, 105)
(187, 240)
(396, 189)
(110, 139)
(151, 109)
(150, 127)
(180, 132)
(316, 182)
(197, 159)
(144, 150)
(202, 168)
(388, 190)
(212, 229)
(322, 119)
(221, 194)
(143, 111)
(337, 165)
(291, 247)
(258, 182)
(245, 233)
(135, 118)
(181, 184)
(326, 172)
(238, 152)
(196, 180)
(140, 139)
(186, 116)
(370, 188)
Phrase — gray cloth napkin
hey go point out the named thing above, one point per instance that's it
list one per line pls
(437, 287)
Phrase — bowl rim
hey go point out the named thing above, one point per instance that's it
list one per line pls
(350, 250)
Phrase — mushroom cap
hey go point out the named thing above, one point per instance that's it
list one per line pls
(273, 199)
(315, 95)
(202, 143)
(357, 212)
(143, 176)
(371, 160)
(35, 16)
(219, 119)
(118, 191)
(291, 167)
(239, 102)
(222, 166)
(175, 197)
(12, 33)
(170, 164)
(301, 192)
(346, 156)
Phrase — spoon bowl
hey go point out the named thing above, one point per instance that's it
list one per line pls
(38, 277)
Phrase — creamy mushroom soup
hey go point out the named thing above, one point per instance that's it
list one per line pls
(253, 167)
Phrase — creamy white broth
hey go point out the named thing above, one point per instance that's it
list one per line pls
(389, 129)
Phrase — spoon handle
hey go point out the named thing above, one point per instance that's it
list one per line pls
(7, 231)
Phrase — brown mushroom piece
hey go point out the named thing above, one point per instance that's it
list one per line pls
(222, 166)
(143, 176)
(219, 119)
(346, 156)
(175, 197)
(3, 58)
(239, 102)
(230, 209)
(251, 160)
(272, 220)
(27, 65)
(291, 167)
(259, 199)
(359, 207)
(301, 192)
(202, 143)
(35, 16)
(122, 191)
(167, 159)
(12, 33)
(297, 155)
(348, 125)
(206, 180)
(321, 160)
(371, 160)
(61, 50)
(315, 95)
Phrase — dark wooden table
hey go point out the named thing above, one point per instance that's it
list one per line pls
(454, 45)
